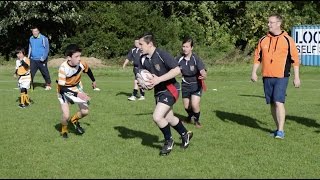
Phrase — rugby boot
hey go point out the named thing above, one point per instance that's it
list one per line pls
(167, 147)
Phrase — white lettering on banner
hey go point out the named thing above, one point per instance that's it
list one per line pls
(307, 41)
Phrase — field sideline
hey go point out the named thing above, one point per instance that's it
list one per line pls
(121, 140)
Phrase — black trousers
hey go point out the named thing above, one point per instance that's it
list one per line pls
(42, 66)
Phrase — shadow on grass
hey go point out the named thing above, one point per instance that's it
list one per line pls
(304, 121)
(71, 128)
(250, 95)
(124, 93)
(241, 119)
(142, 114)
(147, 139)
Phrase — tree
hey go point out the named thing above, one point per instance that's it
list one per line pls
(53, 18)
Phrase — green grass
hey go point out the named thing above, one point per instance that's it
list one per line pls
(122, 141)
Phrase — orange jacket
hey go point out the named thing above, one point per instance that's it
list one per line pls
(276, 53)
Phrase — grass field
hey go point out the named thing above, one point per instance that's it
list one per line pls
(121, 140)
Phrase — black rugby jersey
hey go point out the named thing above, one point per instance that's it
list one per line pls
(190, 69)
(134, 56)
(159, 64)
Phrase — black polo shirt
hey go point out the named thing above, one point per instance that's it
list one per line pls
(159, 64)
(190, 69)
(134, 56)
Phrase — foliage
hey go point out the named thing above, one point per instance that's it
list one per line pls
(110, 29)
(106, 29)
(53, 18)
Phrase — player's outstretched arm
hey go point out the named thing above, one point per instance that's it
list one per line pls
(94, 83)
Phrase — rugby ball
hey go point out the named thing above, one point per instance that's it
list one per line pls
(143, 76)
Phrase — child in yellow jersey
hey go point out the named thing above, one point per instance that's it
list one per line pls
(22, 72)
(70, 90)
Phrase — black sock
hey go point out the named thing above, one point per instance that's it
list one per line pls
(166, 132)
(190, 113)
(141, 92)
(180, 128)
(197, 116)
(134, 93)
(23, 90)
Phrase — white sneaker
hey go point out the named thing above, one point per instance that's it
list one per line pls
(141, 98)
(47, 88)
(132, 98)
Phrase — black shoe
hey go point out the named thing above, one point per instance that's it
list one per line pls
(167, 147)
(186, 139)
(78, 128)
(22, 106)
(64, 135)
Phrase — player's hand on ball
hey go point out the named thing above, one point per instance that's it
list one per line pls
(144, 78)
(83, 96)
(141, 85)
(154, 81)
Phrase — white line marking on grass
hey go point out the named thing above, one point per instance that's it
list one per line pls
(7, 81)
(7, 89)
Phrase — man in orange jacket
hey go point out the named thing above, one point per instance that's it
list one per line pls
(276, 52)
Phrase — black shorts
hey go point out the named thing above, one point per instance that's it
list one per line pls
(190, 89)
(166, 98)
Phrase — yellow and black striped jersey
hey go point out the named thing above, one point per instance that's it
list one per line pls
(22, 70)
(71, 76)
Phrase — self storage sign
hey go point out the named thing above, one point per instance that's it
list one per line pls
(307, 39)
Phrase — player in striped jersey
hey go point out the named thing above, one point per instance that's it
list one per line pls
(24, 78)
(70, 89)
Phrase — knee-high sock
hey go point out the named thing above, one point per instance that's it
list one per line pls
(27, 99)
(190, 113)
(180, 128)
(64, 128)
(134, 92)
(141, 92)
(166, 132)
(76, 117)
(197, 116)
(22, 98)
